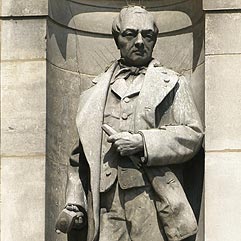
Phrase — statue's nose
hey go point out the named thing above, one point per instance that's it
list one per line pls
(139, 41)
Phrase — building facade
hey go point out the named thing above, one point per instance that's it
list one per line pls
(50, 52)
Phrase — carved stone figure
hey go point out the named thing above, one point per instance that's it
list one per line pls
(124, 183)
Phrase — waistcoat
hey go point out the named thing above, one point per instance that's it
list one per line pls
(119, 114)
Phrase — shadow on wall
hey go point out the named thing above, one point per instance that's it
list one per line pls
(80, 46)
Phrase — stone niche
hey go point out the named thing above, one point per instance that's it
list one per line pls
(80, 46)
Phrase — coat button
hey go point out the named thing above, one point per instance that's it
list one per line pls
(124, 116)
(126, 100)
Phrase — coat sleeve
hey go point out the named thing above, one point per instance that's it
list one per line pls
(180, 139)
(76, 181)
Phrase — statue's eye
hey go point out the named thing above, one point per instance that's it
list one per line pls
(129, 33)
(148, 35)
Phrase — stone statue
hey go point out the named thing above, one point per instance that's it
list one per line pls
(124, 180)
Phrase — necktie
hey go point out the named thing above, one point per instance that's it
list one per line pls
(126, 71)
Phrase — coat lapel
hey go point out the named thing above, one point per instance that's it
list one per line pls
(157, 85)
(89, 121)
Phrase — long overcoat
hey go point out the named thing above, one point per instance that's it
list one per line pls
(167, 118)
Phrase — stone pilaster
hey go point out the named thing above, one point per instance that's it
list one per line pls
(223, 125)
(23, 119)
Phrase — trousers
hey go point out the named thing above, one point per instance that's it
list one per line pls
(129, 215)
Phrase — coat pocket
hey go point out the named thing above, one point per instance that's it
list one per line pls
(173, 208)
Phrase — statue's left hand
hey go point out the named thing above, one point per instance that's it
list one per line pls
(79, 221)
(127, 144)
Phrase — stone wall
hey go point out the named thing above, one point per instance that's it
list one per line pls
(23, 121)
(77, 45)
(223, 125)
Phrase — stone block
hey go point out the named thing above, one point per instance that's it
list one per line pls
(223, 33)
(221, 4)
(222, 196)
(23, 198)
(223, 115)
(23, 39)
(24, 8)
(23, 106)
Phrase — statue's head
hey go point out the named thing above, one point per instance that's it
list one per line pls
(135, 33)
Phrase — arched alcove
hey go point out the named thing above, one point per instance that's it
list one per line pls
(80, 46)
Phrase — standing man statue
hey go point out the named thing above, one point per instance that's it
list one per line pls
(124, 182)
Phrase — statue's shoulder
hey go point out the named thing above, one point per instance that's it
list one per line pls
(168, 74)
(165, 70)
(113, 62)
(107, 68)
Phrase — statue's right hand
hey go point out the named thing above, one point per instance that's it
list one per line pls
(80, 219)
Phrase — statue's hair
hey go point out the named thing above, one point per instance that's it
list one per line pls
(129, 10)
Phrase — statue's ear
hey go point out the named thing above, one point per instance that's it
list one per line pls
(117, 45)
(116, 41)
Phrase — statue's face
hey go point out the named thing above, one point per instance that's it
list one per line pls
(137, 39)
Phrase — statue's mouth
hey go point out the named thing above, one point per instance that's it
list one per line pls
(139, 52)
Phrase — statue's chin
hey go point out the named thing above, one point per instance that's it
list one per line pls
(138, 61)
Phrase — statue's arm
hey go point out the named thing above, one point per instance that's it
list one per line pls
(180, 140)
(76, 182)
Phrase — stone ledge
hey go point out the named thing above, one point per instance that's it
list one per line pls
(24, 8)
(221, 4)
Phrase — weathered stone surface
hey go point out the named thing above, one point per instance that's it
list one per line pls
(63, 93)
(23, 106)
(24, 8)
(222, 196)
(23, 39)
(66, 50)
(101, 22)
(23, 201)
(223, 126)
(86, 54)
(175, 52)
(223, 33)
(221, 4)
(55, 197)
(97, 17)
